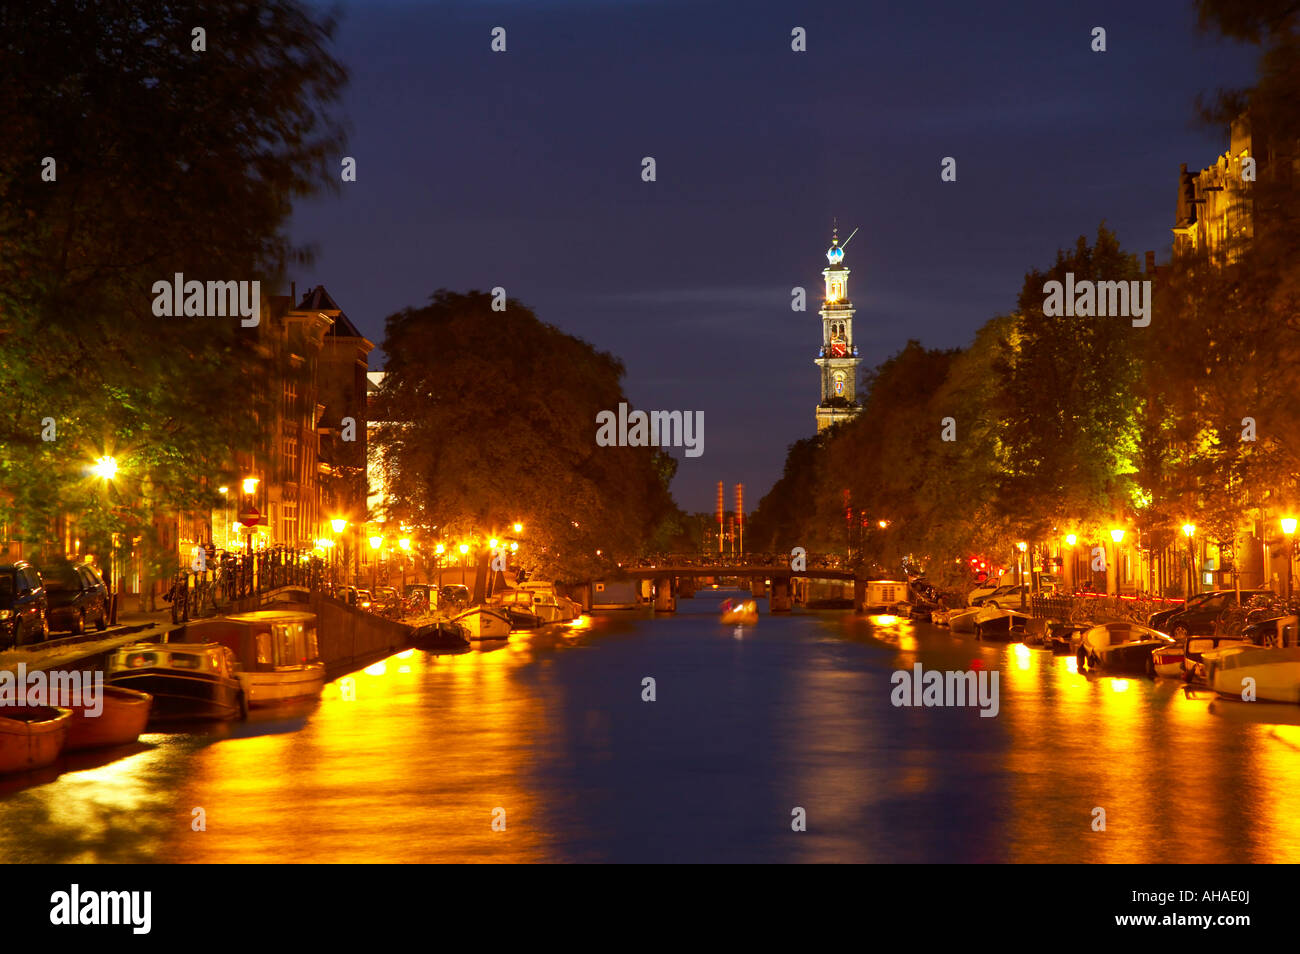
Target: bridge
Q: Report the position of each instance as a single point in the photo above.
(676, 574)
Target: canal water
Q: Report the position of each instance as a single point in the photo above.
(544, 749)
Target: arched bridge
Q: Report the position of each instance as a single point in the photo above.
(677, 573)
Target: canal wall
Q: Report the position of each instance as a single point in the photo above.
(350, 638)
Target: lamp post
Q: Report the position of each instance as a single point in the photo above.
(1288, 528)
(1117, 535)
(376, 543)
(1020, 571)
(405, 544)
(338, 525)
(1189, 530)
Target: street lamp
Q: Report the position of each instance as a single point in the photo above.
(519, 528)
(105, 468)
(1189, 530)
(1288, 528)
(1020, 570)
(1117, 535)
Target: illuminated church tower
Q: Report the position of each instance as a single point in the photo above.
(838, 358)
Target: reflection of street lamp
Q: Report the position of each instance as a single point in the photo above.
(1288, 528)
(1189, 530)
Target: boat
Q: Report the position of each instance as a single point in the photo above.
(441, 635)
(32, 737)
(276, 652)
(740, 612)
(887, 596)
(123, 716)
(993, 622)
(1274, 669)
(518, 605)
(188, 681)
(484, 622)
(1194, 647)
(939, 617)
(963, 620)
(1167, 661)
(547, 604)
(1120, 647)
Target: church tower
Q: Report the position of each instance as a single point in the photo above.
(838, 358)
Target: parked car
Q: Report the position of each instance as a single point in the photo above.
(24, 607)
(1197, 617)
(76, 595)
(364, 599)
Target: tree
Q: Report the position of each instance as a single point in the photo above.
(493, 419)
(167, 160)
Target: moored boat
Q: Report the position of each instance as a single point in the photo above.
(32, 737)
(963, 620)
(887, 596)
(277, 653)
(939, 617)
(1167, 660)
(1120, 647)
(1274, 672)
(441, 635)
(992, 622)
(188, 681)
(483, 622)
(123, 716)
(1194, 647)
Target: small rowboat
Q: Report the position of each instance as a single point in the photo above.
(123, 717)
(32, 737)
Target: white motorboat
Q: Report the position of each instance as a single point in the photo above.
(546, 604)
(483, 622)
(1275, 671)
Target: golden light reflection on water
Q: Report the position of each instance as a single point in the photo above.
(410, 763)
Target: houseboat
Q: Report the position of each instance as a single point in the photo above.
(188, 681)
(277, 653)
(887, 596)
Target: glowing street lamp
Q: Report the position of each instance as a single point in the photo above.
(493, 543)
(1117, 535)
(519, 528)
(250, 485)
(464, 548)
(339, 524)
(1189, 530)
(1071, 539)
(105, 468)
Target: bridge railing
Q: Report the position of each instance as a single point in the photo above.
(812, 561)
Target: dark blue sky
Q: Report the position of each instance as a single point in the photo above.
(522, 169)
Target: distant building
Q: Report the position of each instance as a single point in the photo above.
(1214, 210)
(838, 358)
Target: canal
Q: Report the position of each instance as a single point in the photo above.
(549, 738)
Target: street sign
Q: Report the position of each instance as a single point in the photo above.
(251, 517)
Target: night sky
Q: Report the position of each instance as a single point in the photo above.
(523, 169)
